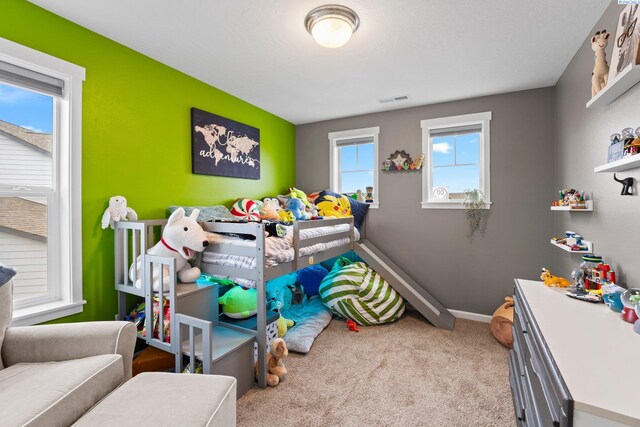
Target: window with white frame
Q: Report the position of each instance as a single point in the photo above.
(40, 177)
(456, 160)
(354, 163)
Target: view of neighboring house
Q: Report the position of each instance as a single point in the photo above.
(25, 160)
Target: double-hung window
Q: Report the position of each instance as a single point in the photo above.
(40, 176)
(456, 160)
(354, 163)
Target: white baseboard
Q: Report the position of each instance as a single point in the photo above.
(471, 316)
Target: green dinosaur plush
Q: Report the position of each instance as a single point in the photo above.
(239, 303)
(294, 193)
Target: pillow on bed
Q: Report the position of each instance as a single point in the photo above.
(334, 202)
(207, 213)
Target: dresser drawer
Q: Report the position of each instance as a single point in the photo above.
(546, 398)
(515, 382)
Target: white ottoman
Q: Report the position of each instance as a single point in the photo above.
(163, 399)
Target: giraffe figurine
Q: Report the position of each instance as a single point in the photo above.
(600, 74)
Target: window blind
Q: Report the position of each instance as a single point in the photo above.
(458, 130)
(29, 79)
(354, 141)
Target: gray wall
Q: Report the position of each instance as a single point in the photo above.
(582, 139)
(431, 244)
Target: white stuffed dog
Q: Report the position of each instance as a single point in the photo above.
(181, 239)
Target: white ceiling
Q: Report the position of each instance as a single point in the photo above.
(431, 50)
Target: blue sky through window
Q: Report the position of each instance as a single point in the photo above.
(456, 161)
(30, 110)
(356, 167)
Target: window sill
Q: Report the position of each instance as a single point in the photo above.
(44, 312)
(375, 205)
(449, 205)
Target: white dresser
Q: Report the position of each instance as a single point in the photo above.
(573, 363)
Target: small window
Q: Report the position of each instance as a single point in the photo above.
(457, 159)
(40, 123)
(354, 160)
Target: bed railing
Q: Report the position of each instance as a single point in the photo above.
(301, 261)
(192, 324)
(160, 268)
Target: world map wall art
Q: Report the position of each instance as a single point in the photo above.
(224, 147)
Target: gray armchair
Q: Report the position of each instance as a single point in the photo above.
(52, 374)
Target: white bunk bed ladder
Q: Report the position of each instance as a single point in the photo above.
(160, 268)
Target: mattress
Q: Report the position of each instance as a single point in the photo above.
(278, 250)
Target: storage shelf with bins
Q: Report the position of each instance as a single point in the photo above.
(568, 249)
(626, 163)
(588, 208)
(616, 87)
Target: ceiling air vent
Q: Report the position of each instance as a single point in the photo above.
(394, 99)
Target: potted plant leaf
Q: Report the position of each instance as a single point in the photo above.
(477, 212)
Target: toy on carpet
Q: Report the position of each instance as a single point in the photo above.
(502, 323)
(600, 74)
(276, 370)
(551, 280)
(283, 325)
(239, 302)
(355, 291)
(294, 193)
(117, 211)
(246, 209)
(296, 207)
(181, 238)
(352, 326)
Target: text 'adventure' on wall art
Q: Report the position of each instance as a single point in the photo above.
(224, 147)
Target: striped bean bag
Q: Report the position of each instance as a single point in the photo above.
(357, 292)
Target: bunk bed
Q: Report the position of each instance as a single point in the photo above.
(197, 331)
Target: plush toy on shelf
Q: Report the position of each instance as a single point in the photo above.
(239, 303)
(601, 69)
(551, 280)
(276, 370)
(117, 211)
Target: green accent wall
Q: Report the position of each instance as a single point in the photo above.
(136, 138)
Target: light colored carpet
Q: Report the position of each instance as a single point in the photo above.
(404, 374)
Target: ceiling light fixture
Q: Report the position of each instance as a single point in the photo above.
(332, 25)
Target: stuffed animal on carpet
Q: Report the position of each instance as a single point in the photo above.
(181, 238)
(296, 207)
(299, 194)
(246, 209)
(551, 280)
(283, 325)
(276, 370)
(239, 302)
(117, 211)
(502, 323)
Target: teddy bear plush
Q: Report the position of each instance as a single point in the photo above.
(117, 211)
(275, 362)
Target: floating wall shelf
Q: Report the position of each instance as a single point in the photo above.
(626, 163)
(589, 207)
(568, 249)
(612, 91)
